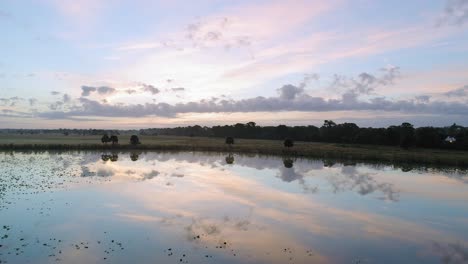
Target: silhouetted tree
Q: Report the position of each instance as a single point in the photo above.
(288, 143)
(105, 139)
(230, 141)
(406, 135)
(114, 139)
(134, 140)
(428, 137)
(282, 131)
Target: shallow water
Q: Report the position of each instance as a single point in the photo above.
(215, 208)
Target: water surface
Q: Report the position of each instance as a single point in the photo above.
(221, 208)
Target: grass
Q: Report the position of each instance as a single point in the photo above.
(434, 157)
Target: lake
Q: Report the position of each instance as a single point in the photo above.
(226, 208)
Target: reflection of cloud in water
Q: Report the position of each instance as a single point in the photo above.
(100, 172)
(459, 176)
(150, 175)
(290, 175)
(453, 253)
(364, 183)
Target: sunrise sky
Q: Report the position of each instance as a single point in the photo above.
(138, 64)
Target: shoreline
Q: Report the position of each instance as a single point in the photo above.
(344, 152)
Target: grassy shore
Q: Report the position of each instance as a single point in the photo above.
(270, 147)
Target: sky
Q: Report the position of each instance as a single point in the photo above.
(138, 64)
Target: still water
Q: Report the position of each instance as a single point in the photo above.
(220, 208)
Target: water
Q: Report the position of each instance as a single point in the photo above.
(199, 208)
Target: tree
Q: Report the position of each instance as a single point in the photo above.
(105, 139)
(230, 141)
(329, 123)
(114, 139)
(134, 140)
(282, 131)
(428, 137)
(288, 143)
(406, 135)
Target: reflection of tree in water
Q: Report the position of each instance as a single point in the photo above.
(134, 156)
(288, 162)
(105, 157)
(112, 157)
(452, 253)
(328, 163)
(230, 159)
(364, 183)
(406, 167)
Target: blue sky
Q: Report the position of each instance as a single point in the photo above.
(169, 63)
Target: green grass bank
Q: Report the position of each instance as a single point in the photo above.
(269, 147)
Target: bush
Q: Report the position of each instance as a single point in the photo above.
(134, 140)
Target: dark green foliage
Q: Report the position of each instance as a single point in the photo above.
(288, 163)
(288, 143)
(404, 135)
(407, 138)
(134, 156)
(229, 141)
(114, 157)
(428, 137)
(229, 159)
(114, 139)
(134, 140)
(105, 139)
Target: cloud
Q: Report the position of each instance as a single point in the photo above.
(363, 183)
(12, 101)
(150, 175)
(54, 93)
(87, 90)
(288, 100)
(105, 90)
(102, 90)
(451, 253)
(66, 98)
(131, 91)
(13, 113)
(289, 92)
(32, 101)
(55, 106)
(149, 88)
(460, 92)
(455, 13)
(178, 89)
(353, 94)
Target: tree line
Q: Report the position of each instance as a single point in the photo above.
(404, 135)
